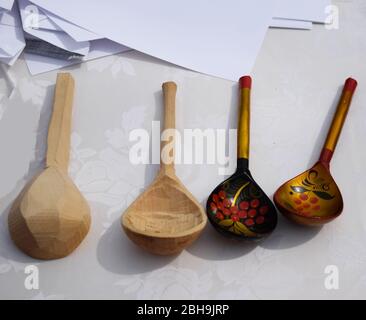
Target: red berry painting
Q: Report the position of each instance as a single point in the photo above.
(239, 207)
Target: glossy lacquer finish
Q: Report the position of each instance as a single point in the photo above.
(238, 207)
(313, 198)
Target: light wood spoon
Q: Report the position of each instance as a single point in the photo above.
(166, 218)
(50, 217)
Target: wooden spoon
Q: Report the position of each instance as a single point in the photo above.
(166, 218)
(238, 207)
(313, 198)
(50, 217)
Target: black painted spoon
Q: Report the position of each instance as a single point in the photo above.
(238, 207)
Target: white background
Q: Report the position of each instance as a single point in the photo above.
(296, 84)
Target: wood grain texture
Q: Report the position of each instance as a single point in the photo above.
(166, 218)
(50, 217)
(58, 142)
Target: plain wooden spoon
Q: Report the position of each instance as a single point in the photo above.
(166, 218)
(50, 217)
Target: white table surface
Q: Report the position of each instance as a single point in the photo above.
(297, 80)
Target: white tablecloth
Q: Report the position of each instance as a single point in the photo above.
(296, 84)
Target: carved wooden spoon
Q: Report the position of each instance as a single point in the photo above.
(166, 218)
(50, 217)
(313, 198)
(238, 207)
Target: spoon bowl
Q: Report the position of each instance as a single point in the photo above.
(239, 208)
(49, 223)
(166, 218)
(313, 198)
(171, 223)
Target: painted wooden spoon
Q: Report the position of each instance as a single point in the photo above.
(50, 217)
(238, 207)
(313, 198)
(166, 218)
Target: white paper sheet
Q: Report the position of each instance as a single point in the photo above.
(76, 32)
(6, 4)
(99, 48)
(307, 10)
(10, 17)
(11, 40)
(220, 38)
(11, 60)
(47, 24)
(62, 35)
(11, 37)
(49, 21)
(42, 20)
(291, 24)
(59, 39)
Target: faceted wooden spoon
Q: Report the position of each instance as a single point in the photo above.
(238, 207)
(50, 217)
(313, 198)
(166, 218)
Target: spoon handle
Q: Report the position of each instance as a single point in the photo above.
(168, 135)
(338, 121)
(58, 142)
(245, 84)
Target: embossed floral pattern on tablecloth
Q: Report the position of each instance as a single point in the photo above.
(116, 94)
